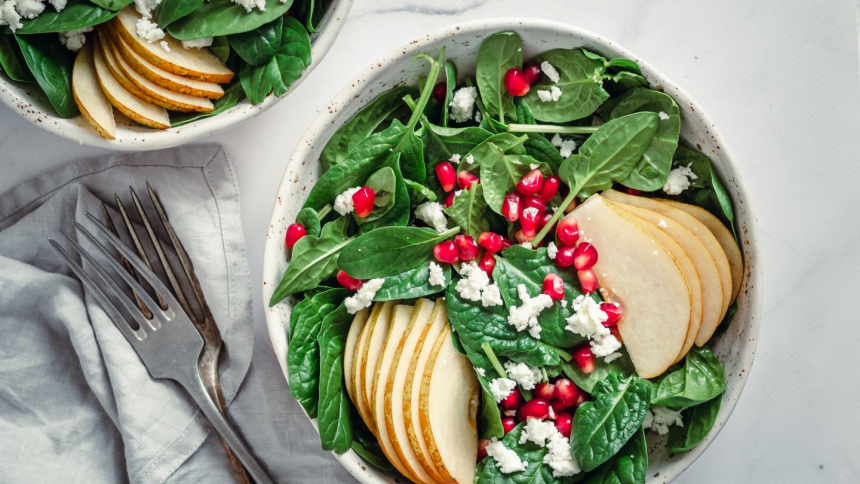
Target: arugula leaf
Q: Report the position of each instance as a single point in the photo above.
(498, 53)
(12, 61)
(629, 466)
(501, 172)
(51, 66)
(169, 11)
(78, 14)
(706, 191)
(412, 283)
(277, 75)
(226, 102)
(388, 251)
(225, 17)
(334, 416)
(469, 211)
(581, 83)
(586, 381)
(698, 422)
(310, 220)
(258, 46)
(303, 353)
(602, 426)
(699, 378)
(450, 85)
(314, 260)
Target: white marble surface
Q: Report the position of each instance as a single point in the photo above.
(780, 80)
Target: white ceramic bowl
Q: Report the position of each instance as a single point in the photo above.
(736, 348)
(32, 104)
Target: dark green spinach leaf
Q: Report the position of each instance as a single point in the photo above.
(366, 445)
(501, 172)
(225, 17)
(586, 381)
(697, 379)
(706, 191)
(169, 11)
(498, 53)
(397, 213)
(51, 65)
(78, 14)
(469, 211)
(698, 422)
(335, 409)
(277, 75)
(536, 472)
(258, 46)
(115, 5)
(388, 251)
(412, 284)
(226, 102)
(310, 220)
(12, 61)
(581, 84)
(629, 466)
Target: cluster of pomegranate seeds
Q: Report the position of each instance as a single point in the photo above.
(440, 92)
(348, 281)
(467, 248)
(465, 180)
(613, 313)
(446, 252)
(553, 286)
(584, 358)
(560, 395)
(516, 82)
(294, 233)
(363, 201)
(582, 256)
(446, 175)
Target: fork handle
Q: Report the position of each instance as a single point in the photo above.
(198, 392)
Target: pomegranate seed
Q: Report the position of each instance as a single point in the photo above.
(348, 281)
(587, 279)
(511, 206)
(490, 241)
(531, 201)
(467, 248)
(516, 82)
(531, 183)
(449, 200)
(545, 391)
(564, 423)
(466, 179)
(553, 286)
(446, 175)
(528, 220)
(482, 449)
(294, 233)
(534, 408)
(513, 400)
(446, 252)
(549, 188)
(567, 231)
(629, 191)
(615, 332)
(506, 242)
(558, 407)
(613, 313)
(584, 358)
(543, 220)
(440, 92)
(521, 238)
(585, 256)
(363, 201)
(564, 257)
(565, 391)
(487, 262)
(532, 71)
(583, 397)
(508, 423)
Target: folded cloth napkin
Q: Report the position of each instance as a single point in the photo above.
(76, 403)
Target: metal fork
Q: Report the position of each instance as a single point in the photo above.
(168, 343)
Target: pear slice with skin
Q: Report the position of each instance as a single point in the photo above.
(358, 323)
(688, 268)
(698, 229)
(378, 333)
(395, 391)
(89, 97)
(640, 275)
(103, 45)
(138, 110)
(359, 360)
(448, 411)
(724, 237)
(197, 64)
(412, 385)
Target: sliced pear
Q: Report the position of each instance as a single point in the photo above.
(724, 237)
(411, 405)
(104, 46)
(395, 392)
(359, 359)
(688, 269)
(89, 97)
(138, 110)
(639, 274)
(197, 64)
(376, 337)
(358, 323)
(448, 411)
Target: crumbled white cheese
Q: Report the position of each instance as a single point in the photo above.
(587, 319)
(363, 298)
(74, 39)
(146, 7)
(556, 140)
(491, 296)
(553, 95)
(437, 277)
(474, 281)
(526, 315)
(164, 45)
(501, 388)
(463, 103)
(526, 376)
(470, 159)
(343, 202)
(9, 16)
(559, 457)
(662, 115)
(550, 71)
(478, 116)
(551, 250)
(455, 159)
(148, 30)
(432, 213)
(58, 5)
(480, 371)
(538, 431)
(198, 43)
(534, 166)
(658, 418)
(563, 303)
(566, 148)
(251, 4)
(605, 346)
(662, 224)
(506, 460)
(29, 9)
(612, 357)
(679, 180)
(527, 245)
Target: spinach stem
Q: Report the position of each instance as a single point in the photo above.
(564, 354)
(557, 215)
(547, 128)
(324, 211)
(409, 102)
(435, 67)
(544, 375)
(495, 361)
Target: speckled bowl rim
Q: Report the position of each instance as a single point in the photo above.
(335, 115)
(139, 138)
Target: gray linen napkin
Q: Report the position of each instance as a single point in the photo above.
(76, 403)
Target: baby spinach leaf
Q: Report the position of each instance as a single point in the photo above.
(115, 5)
(698, 422)
(629, 466)
(303, 353)
(226, 102)
(314, 260)
(586, 381)
(412, 283)
(602, 426)
(469, 211)
(536, 472)
(363, 124)
(258, 46)
(581, 84)
(296, 313)
(621, 64)
(277, 75)
(169, 11)
(524, 112)
(624, 80)
(225, 17)
(388, 251)
(51, 65)
(498, 53)
(440, 144)
(727, 320)
(541, 149)
(310, 220)
(699, 378)
(12, 61)
(418, 193)
(706, 191)
(220, 47)
(78, 14)
(652, 170)
(398, 211)
(384, 186)
(366, 445)
(450, 85)
(500, 174)
(335, 409)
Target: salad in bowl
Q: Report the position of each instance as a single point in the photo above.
(514, 275)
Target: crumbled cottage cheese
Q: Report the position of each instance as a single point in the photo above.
(455, 159)
(553, 95)
(146, 7)
(480, 371)
(9, 16)
(343, 202)
(551, 250)
(251, 4)
(544, 434)
(164, 45)
(470, 159)
(534, 166)
(556, 140)
(501, 388)
(74, 39)
(537, 431)
(58, 5)
(463, 103)
(491, 296)
(198, 43)
(662, 115)
(526, 315)
(475, 286)
(478, 116)
(527, 245)
(437, 277)
(363, 298)
(587, 320)
(679, 180)
(550, 71)
(526, 376)
(29, 9)
(566, 148)
(506, 460)
(148, 30)
(658, 418)
(606, 347)
(433, 214)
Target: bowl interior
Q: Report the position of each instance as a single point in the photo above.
(28, 101)
(735, 348)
